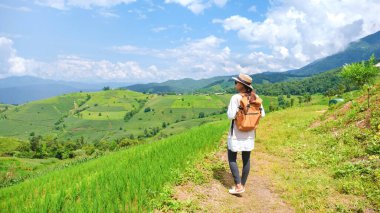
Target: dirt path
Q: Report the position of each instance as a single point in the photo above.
(213, 196)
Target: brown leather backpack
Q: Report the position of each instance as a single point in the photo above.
(249, 113)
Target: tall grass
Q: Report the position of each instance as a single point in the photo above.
(123, 181)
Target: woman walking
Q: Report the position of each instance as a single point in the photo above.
(242, 141)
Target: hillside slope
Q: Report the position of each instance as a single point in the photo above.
(306, 159)
(127, 180)
(354, 52)
(109, 115)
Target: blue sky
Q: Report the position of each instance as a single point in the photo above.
(153, 41)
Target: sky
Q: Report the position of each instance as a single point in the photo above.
(142, 41)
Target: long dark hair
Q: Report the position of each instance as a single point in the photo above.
(250, 92)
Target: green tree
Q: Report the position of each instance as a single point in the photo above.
(281, 101)
(35, 143)
(307, 97)
(300, 98)
(361, 74)
(330, 93)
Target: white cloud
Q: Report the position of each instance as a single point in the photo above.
(10, 63)
(20, 9)
(73, 67)
(184, 28)
(86, 4)
(253, 9)
(159, 29)
(298, 32)
(198, 6)
(201, 58)
(108, 14)
(56, 4)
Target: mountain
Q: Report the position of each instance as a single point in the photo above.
(18, 90)
(23, 94)
(182, 85)
(356, 51)
(191, 85)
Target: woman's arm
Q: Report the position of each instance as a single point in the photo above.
(232, 107)
(262, 108)
(262, 111)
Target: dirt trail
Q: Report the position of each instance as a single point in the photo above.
(259, 195)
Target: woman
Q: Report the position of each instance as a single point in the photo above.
(239, 140)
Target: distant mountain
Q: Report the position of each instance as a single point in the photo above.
(182, 85)
(356, 51)
(23, 94)
(191, 85)
(18, 90)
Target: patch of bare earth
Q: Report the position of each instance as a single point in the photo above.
(213, 196)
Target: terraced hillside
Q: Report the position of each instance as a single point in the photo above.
(128, 180)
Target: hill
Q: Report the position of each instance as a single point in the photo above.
(313, 158)
(354, 52)
(106, 115)
(39, 136)
(309, 158)
(127, 180)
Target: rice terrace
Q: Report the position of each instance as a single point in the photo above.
(189, 106)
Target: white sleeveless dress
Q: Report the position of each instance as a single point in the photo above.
(239, 140)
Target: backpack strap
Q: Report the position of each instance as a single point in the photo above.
(243, 100)
(232, 127)
(233, 120)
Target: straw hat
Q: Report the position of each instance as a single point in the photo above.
(244, 79)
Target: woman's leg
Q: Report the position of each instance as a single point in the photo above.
(233, 166)
(246, 166)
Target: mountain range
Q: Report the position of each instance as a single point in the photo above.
(356, 51)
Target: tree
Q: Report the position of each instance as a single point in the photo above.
(330, 93)
(201, 115)
(106, 88)
(340, 90)
(361, 74)
(35, 143)
(281, 101)
(131, 136)
(299, 100)
(307, 97)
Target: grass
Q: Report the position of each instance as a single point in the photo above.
(123, 181)
(8, 144)
(101, 117)
(318, 163)
(324, 167)
(14, 170)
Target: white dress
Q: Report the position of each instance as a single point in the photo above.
(239, 141)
